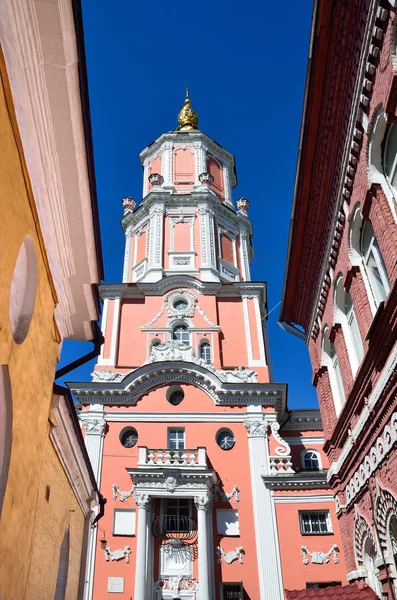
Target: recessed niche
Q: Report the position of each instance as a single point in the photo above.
(23, 291)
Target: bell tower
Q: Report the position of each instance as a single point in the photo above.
(186, 222)
(181, 407)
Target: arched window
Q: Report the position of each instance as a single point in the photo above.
(345, 315)
(311, 460)
(373, 263)
(393, 539)
(181, 334)
(205, 351)
(390, 158)
(330, 359)
(63, 567)
(369, 557)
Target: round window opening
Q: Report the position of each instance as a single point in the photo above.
(175, 395)
(180, 304)
(128, 437)
(225, 439)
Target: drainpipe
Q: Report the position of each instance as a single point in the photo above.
(291, 328)
(97, 340)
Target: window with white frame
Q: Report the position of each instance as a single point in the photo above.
(315, 522)
(345, 315)
(181, 334)
(330, 360)
(205, 351)
(311, 460)
(374, 264)
(390, 157)
(176, 439)
(227, 522)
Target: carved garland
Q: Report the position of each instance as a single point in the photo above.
(375, 456)
(362, 531)
(385, 509)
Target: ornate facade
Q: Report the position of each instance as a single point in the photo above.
(213, 487)
(340, 290)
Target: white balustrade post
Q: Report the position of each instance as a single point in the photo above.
(203, 504)
(142, 501)
(142, 455)
(201, 451)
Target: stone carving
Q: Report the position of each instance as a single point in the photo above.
(175, 585)
(117, 554)
(123, 495)
(142, 500)
(188, 296)
(319, 558)
(375, 456)
(181, 261)
(171, 482)
(128, 204)
(242, 206)
(203, 503)
(362, 531)
(107, 375)
(231, 556)
(284, 448)
(257, 428)
(385, 508)
(93, 425)
(224, 496)
(174, 350)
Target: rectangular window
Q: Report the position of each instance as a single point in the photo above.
(227, 522)
(315, 522)
(124, 521)
(176, 439)
(177, 509)
(232, 591)
(322, 584)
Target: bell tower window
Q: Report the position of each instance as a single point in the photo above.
(205, 352)
(181, 334)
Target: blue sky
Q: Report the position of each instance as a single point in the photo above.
(245, 63)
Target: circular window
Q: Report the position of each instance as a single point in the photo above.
(225, 439)
(128, 437)
(23, 291)
(175, 395)
(180, 304)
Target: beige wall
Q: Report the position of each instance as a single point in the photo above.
(26, 518)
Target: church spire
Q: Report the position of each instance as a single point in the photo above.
(187, 118)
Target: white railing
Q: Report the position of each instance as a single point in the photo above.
(279, 465)
(166, 457)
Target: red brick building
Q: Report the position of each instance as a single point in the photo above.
(340, 292)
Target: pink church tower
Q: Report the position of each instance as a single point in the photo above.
(182, 417)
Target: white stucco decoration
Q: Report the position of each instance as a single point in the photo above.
(173, 350)
(117, 554)
(319, 558)
(231, 556)
(107, 375)
(123, 495)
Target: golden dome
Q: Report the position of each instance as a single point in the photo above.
(187, 117)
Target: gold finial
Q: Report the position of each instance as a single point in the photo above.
(187, 117)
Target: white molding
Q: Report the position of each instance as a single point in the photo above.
(305, 440)
(303, 499)
(187, 417)
(115, 331)
(266, 535)
(101, 360)
(366, 413)
(260, 332)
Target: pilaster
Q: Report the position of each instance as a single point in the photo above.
(269, 568)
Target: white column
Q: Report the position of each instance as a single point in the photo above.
(203, 503)
(95, 432)
(155, 266)
(211, 557)
(142, 501)
(267, 548)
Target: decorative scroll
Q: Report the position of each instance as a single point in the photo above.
(123, 495)
(117, 554)
(231, 556)
(225, 496)
(320, 558)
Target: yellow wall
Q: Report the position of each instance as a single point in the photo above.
(25, 518)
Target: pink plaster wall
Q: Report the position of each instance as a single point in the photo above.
(182, 237)
(132, 350)
(231, 321)
(107, 330)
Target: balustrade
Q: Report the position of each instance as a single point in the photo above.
(280, 465)
(167, 457)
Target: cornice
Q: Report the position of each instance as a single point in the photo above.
(144, 379)
(309, 420)
(297, 481)
(191, 202)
